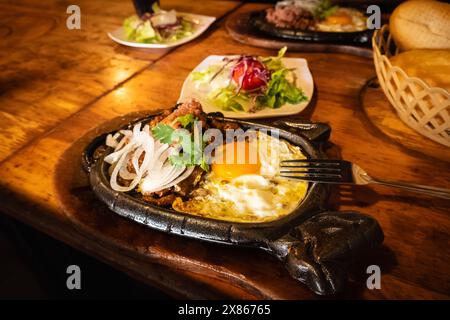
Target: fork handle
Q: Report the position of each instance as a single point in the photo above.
(432, 191)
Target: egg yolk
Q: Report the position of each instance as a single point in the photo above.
(339, 19)
(235, 159)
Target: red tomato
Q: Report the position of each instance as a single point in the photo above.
(256, 74)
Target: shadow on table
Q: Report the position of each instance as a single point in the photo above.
(383, 257)
(365, 196)
(36, 268)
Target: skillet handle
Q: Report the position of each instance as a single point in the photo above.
(318, 252)
(313, 131)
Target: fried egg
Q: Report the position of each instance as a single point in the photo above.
(247, 187)
(343, 20)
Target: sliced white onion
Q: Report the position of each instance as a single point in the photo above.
(124, 173)
(149, 184)
(115, 156)
(154, 172)
(123, 142)
(113, 180)
(182, 177)
(111, 140)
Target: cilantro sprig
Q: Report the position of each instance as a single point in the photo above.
(192, 150)
(163, 133)
(187, 120)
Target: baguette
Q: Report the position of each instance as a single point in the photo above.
(419, 24)
(431, 66)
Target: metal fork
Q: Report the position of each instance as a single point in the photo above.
(344, 172)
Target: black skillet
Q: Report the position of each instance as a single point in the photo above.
(316, 245)
(258, 20)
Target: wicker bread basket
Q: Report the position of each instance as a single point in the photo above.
(423, 108)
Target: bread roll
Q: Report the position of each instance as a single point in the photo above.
(431, 66)
(418, 24)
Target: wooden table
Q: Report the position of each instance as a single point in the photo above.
(58, 85)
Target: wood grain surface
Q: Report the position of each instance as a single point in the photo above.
(42, 184)
(384, 118)
(48, 72)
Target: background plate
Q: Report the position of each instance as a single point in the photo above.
(241, 29)
(259, 21)
(204, 22)
(304, 81)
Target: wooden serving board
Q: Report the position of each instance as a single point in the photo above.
(240, 28)
(384, 118)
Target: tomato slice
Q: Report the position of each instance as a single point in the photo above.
(250, 73)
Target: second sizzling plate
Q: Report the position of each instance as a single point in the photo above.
(258, 20)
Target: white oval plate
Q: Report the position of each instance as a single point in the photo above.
(203, 23)
(304, 81)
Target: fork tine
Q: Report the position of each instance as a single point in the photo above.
(317, 170)
(315, 161)
(311, 179)
(311, 174)
(311, 168)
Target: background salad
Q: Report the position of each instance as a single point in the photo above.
(161, 26)
(249, 83)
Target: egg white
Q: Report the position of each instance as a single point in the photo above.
(250, 197)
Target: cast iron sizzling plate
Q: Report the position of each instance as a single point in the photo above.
(316, 245)
(258, 19)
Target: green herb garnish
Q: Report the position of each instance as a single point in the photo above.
(192, 152)
(324, 10)
(187, 120)
(163, 132)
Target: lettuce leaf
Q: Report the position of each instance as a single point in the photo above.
(205, 75)
(155, 7)
(275, 63)
(187, 29)
(281, 91)
(227, 99)
(130, 25)
(143, 31)
(140, 31)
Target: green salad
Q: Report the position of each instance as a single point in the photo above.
(161, 26)
(249, 83)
